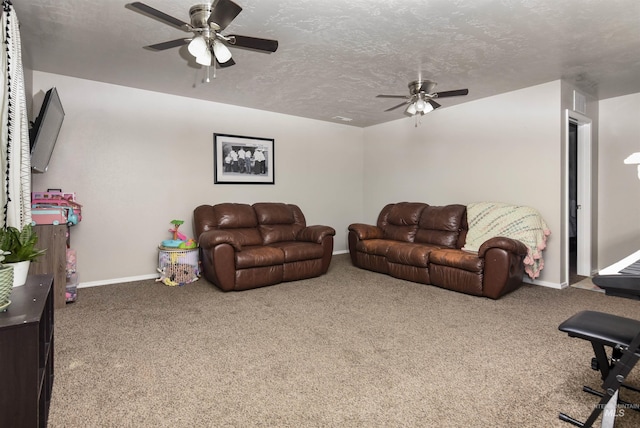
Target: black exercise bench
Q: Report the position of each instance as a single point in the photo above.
(622, 336)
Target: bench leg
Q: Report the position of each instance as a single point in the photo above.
(612, 383)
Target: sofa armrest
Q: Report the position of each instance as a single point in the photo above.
(212, 238)
(366, 231)
(511, 245)
(315, 233)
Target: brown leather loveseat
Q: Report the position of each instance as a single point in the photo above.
(247, 246)
(422, 243)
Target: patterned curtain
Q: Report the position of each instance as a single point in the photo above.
(15, 160)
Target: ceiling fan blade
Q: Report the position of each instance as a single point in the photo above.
(223, 12)
(426, 86)
(167, 45)
(156, 14)
(227, 64)
(455, 93)
(265, 45)
(399, 105)
(434, 104)
(393, 96)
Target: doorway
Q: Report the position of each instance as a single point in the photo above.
(579, 199)
(573, 203)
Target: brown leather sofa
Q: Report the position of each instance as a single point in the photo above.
(422, 243)
(247, 246)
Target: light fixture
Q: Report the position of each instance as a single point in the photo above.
(419, 107)
(198, 46)
(205, 58)
(206, 50)
(222, 53)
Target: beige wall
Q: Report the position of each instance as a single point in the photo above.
(504, 148)
(619, 186)
(139, 159)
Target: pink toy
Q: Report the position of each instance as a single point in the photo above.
(178, 235)
(53, 215)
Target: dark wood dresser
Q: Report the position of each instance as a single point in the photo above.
(26, 354)
(55, 239)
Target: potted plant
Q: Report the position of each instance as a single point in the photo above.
(20, 250)
(6, 282)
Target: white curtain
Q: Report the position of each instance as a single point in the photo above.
(15, 161)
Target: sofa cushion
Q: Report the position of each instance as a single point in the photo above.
(273, 213)
(278, 222)
(458, 259)
(238, 219)
(376, 247)
(278, 233)
(299, 250)
(405, 213)
(251, 257)
(234, 216)
(408, 253)
(400, 222)
(440, 225)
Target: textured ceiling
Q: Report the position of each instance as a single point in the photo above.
(335, 56)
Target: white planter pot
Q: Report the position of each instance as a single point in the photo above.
(20, 272)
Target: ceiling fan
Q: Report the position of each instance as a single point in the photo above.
(422, 97)
(208, 45)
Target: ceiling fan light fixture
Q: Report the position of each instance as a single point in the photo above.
(428, 107)
(205, 59)
(198, 46)
(207, 45)
(420, 105)
(222, 53)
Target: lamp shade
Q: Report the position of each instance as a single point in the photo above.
(205, 59)
(222, 53)
(411, 109)
(420, 105)
(198, 46)
(428, 107)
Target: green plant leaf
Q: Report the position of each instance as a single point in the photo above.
(20, 243)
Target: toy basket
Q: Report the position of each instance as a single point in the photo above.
(178, 266)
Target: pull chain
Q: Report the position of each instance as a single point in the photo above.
(207, 78)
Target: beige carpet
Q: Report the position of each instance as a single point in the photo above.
(349, 349)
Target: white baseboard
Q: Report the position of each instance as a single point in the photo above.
(156, 276)
(544, 283)
(118, 280)
(143, 277)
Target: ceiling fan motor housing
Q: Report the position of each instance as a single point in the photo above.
(425, 86)
(199, 15)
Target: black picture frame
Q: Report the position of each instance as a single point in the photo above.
(230, 163)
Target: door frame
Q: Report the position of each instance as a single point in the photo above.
(584, 194)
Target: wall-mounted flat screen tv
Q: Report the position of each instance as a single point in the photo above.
(44, 133)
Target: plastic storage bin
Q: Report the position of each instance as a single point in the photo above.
(71, 294)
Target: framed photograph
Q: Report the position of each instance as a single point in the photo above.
(242, 160)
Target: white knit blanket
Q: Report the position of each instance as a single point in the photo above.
(490, 219)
